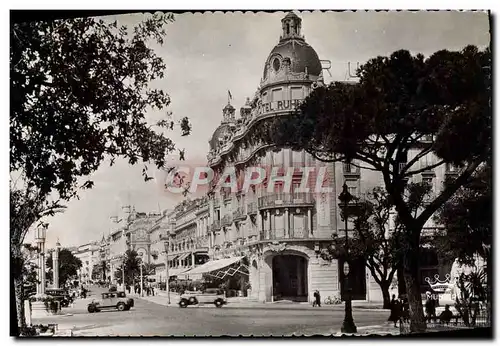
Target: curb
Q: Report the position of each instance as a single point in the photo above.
(270, 306)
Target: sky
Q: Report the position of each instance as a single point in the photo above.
(208, 54)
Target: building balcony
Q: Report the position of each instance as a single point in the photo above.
(215, 225)
(278, 234)
(227, 220)
(238, 214)
(278, 200)
(252, 208)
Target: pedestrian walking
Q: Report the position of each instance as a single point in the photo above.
(395, 310)
(152, 291)
(430, 307)
(317, 299)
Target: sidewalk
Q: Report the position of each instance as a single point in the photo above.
(238, 302)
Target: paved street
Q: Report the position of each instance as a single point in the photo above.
(150, 319)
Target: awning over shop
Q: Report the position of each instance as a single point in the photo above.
(172, 257)
(183, 257)
(176, 271)
(214, 265)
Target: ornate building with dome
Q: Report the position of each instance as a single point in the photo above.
(279, 234)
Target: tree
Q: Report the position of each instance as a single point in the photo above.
(403, 110)
(376, 238)
(468, 220)
(68, 265)
(132, 267)
(99, 270)
(80, 93)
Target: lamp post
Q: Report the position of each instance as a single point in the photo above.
(123, 272)
(41, 234)
(55, 264)
(142, 279)
(348, 325)
(167, 286)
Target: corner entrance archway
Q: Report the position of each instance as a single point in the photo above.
(289, 278)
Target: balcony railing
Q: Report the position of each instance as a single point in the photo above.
(201, 242)
(238, 214)
(227, 220)
(252, 208)
(281, 233)
(285, 199)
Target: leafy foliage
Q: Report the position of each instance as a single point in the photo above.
(131, 263)
(471, 288)
(69, 265)
(99, 271)
(377, 235)
(467, 218)
(80, 93)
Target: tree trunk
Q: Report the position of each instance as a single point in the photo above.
(384, 287)
(16, 292)
(401, 279)
(410, 272)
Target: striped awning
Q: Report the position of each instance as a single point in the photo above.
(214, 265)
(172, 257)
(184, 256)
(176, 271)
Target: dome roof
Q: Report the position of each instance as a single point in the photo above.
(218, 133)
(301, 56)
(293, 48)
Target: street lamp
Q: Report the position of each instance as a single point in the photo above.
(123, 272)
(167, 286)
(40, 236)
(142, 278)
(348, 325)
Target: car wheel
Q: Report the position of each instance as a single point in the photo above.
(218, 303)
(91, 308)
(120, 306)
(183, 303)
(127, 308)
(193, 301)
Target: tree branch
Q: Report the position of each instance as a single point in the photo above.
(425, 169)
(417, 157)
(448, 191)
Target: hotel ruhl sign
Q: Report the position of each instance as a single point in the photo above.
(274, 106)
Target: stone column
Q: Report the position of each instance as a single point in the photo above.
(42, 267)
(287, 224)
(269, 227)
(55, 266)
(309, 222)
(192, 260)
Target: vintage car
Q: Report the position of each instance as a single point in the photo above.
(111, 300)
(60, 295)
(209, 296)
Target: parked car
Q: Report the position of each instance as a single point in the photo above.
(60, 295)
(209, 296)
(111, 300)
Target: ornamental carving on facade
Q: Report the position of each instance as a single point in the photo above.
(277, 247)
